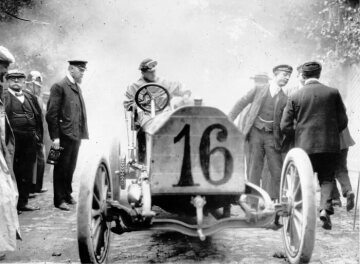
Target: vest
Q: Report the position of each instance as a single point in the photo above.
(22, 116)
(265, 118)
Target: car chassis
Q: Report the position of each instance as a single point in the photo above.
(118, 196)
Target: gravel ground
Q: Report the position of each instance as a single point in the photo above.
(50, 232)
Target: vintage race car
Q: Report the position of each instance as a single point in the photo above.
(184, 170)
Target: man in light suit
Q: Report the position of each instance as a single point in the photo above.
(262, 127)
(319, 114)
(9, 215)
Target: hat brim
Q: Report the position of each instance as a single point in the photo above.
(15, 76)
(80, 67)
(149, 70)
(260, 78)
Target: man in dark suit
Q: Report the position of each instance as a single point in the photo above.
(66, 118)
(262, 126)
(34, 86)
(25, 118)
(319, 114)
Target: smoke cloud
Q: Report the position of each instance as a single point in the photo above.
(211, 47)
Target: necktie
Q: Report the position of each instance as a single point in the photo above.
(18, 94)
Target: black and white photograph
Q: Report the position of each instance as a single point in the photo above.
(180, 131)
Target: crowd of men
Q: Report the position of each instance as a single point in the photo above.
(311, 116)
(23, 117)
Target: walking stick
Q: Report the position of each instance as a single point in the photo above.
(356, 202)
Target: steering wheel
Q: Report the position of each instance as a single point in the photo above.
(150, 91)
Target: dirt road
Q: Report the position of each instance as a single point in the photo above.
(49, 236)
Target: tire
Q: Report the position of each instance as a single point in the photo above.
(92, 228)
(298, 186)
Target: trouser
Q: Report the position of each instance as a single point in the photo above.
(342, 175)
(40, 166)
(325, 165)
(261, 145)
(64, 170)
(24, 162)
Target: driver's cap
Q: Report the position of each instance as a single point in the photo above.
(147, 65)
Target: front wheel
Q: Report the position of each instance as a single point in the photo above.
(93, 227)
(298, 189)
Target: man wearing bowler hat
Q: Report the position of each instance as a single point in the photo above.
(67, 123)
(34, 86)
(262, 127)
(319, 115)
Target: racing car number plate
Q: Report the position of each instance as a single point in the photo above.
(194, 155)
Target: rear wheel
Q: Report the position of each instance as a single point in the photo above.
(298, 188)
(93, 227)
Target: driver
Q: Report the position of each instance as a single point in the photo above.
(148, 75)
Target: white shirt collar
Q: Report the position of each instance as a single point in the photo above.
(311, 80)
(71, 79)
(274, 89)
(21, 98)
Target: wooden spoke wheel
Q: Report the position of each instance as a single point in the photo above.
(298, 189)
(93, 227)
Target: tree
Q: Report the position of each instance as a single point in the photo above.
(330, 28)
(10, 8)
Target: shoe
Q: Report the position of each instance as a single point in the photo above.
(41, 190)
(350, 196)
(325, 218)
(71, 201)
(32, 195)
(275, 225)
(336, 202)
(28, 208)
(2, 256)
(63, 206)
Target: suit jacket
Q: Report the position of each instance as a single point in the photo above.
(346, 140)
(320, 116)
(34, 106)
(66, 112)
(256, 98)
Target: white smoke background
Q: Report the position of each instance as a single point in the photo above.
(211, 47)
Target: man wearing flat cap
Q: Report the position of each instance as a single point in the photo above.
(319, 115)
(148, 75)
(262, 128)
(25, 117)
(67, 123)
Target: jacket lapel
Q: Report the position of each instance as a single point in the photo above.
(72, 85)
(279, 102)
(262, 97)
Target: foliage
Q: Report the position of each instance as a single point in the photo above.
(13, 7)
(331, 28)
